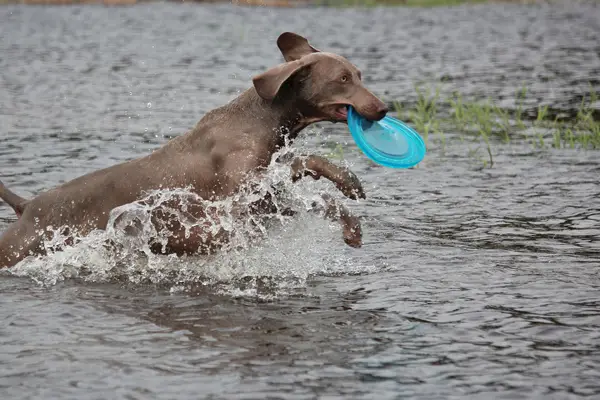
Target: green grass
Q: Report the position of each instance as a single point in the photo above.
(487, 120)
(487, 123)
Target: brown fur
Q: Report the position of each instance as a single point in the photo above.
(227, 147)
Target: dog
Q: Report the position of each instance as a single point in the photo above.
(227, 148)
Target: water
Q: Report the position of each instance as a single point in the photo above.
(472, 282)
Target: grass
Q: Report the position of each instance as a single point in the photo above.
(486, 124)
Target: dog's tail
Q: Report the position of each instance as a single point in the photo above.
(16, 202)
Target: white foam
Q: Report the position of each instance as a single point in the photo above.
(269, 257)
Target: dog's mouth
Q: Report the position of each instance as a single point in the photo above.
(340, 112)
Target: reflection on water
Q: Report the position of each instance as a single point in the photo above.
(471, 283)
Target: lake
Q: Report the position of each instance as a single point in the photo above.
(473, 282)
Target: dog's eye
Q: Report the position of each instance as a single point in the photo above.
(345, 78)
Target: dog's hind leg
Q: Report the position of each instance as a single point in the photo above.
(17, 242)
(16, 202)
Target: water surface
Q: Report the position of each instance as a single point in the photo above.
(473, 282)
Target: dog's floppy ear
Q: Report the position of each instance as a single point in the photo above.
(293, 46)
(269, 83)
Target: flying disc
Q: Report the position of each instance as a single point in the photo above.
(388, 142)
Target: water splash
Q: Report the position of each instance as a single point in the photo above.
(263, 256)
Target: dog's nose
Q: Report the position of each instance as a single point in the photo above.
(381, 111)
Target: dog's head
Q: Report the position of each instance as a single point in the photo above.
(322, 84)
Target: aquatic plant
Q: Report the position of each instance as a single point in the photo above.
(485, 120)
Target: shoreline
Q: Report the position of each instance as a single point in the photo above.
(285, 3)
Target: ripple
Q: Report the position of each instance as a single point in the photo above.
(471, 283)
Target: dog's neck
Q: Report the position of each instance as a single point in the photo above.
(284, 118)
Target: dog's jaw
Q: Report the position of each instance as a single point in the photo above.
(341, 113)
(336, 112)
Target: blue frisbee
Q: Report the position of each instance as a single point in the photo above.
(388, 142)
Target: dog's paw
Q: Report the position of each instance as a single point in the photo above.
(350, 186)
(352, 232)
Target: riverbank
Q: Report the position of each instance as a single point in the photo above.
(286, 3)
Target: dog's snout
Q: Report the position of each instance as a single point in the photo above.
(374, 110)
(382, 110)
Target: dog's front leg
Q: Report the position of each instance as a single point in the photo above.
(316, 167)
(350, 223)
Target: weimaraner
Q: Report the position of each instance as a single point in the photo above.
(228, 147)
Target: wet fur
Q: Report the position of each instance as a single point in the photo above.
(229, 146)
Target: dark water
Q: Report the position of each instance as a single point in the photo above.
(472, 283)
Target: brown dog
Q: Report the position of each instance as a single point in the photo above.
(227, 148)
